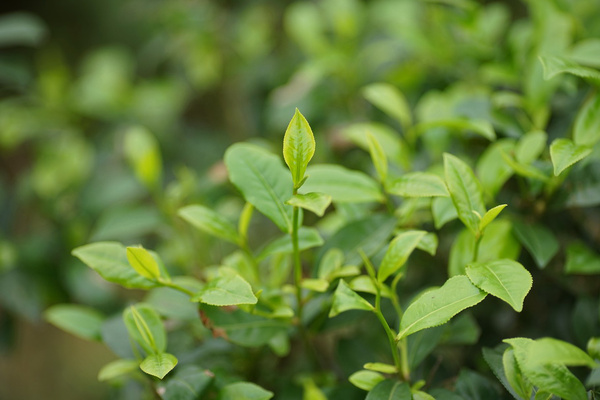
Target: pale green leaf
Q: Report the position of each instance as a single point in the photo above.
(506, 279)
(343, 185)
(429, 243)
(316, 285)
(378, 157)
(398, 252)
(315, 202)
(479, 126)
(345, 299)
(553, 351)
(490, 215)
(582, 260)
(586, 131)
(142, 152)
(263, 180)
(307, 238)
(298, 147)
(565, 153)
(145, 327)
(465, 191)
(21, 29)
(390, 390)
(551, 378)
(555, 65)
(396, 149)
(109, 259)
(530, 146)
(514, 376)
(117, 368)
(437, 306)
(159, 364)
(389, 100)
(228, 289)
(210, 222)
(365, 284)
(526, 170)
(491, 168)
(311, 390)
(443, 211)
(330, 262)
(143, 262)
(418, 184)
(244, 391)
(189, 382)
(78, 320)
(381, 367)
(538, 240)
(366, 380)
(586, 52)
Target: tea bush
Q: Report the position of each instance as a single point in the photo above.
(434, 238)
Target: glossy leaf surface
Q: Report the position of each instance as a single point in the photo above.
(159, 364)
(345, 299)
(226, 290)
(315, 202)
(143, 262)
(298, 147)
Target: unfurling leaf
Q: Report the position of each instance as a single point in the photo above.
(298, 147)
(159, 364)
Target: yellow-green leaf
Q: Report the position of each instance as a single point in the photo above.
(565, 153)
(143, 262)
(298, 147)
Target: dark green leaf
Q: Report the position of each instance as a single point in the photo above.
(390, 390)
(21, 29)
(189, 383)
(263, 180)
(538, 240)
(582, 260)
(494, 358)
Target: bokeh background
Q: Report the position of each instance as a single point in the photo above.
(79, 78)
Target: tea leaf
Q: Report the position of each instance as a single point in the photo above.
(396, 149)
(307, 238)
(418, 184)
(343, 185)
(514, 375)
(228, 289)
(188, 383)
(586, 131)
(565, 153)
(378, 157)
(443, 211)
(263, 180)
(390, 390)
(331, 262)
(381, 367)
(364, 284)
(159, 364)
(210, 222)
(315, 202)
(117, 368)
(298, 147)
(550, 351)
(551, 378)
(398, 252)
(526, 170)
(244, 391)
(582, 260)
(143, 262)
(554, 65)
(506, 279)
(316, 285)
(345, 299)
(109, 259)
(538, 240)
(141, 149)
(311, 390)
(145, 327)
(366, 380)
(490, 216)
(389, 100)
(492, 169)
(530, 146)
(80, 321)
(429, 243)
(437, 306)
(465, 191)
(586, 52)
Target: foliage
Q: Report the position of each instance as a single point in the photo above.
(444, 203)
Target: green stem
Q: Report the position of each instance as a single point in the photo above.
(297, 262)
(403, 343)
(391, 335)
(478, 238)
(175, 286)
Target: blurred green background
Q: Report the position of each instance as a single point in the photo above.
(79, 78)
